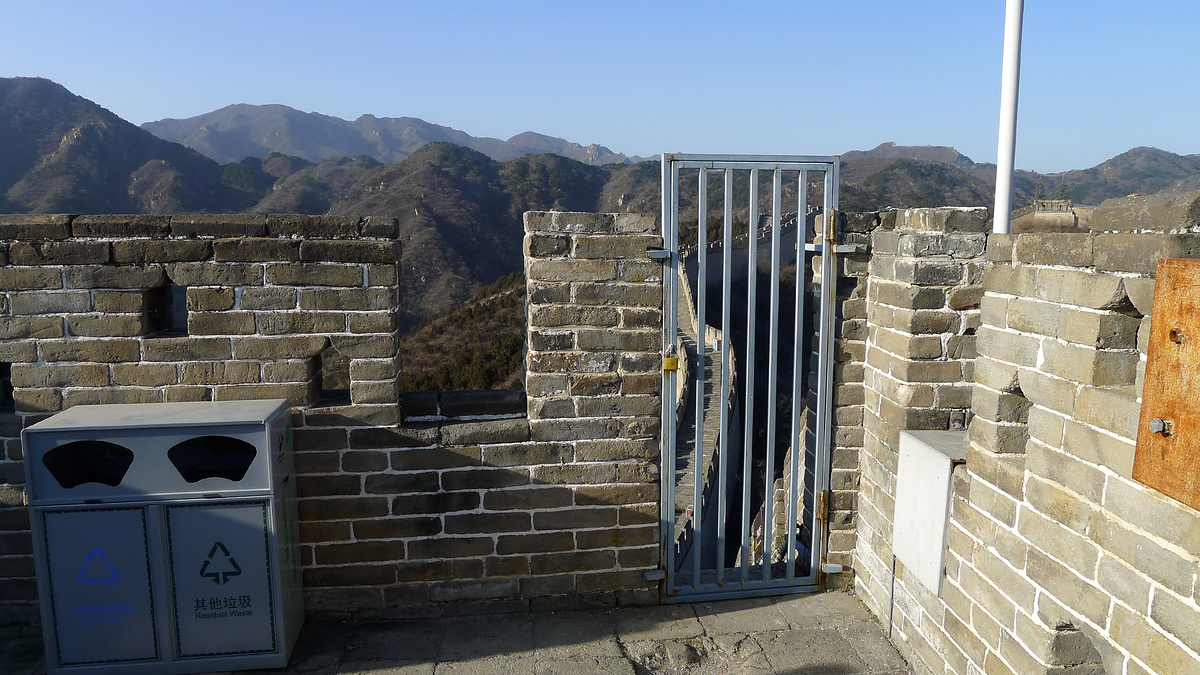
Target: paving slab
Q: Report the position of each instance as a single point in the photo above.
(480, 637)
(574, 635)
(662, 622)
(820, 634)
(749, 615)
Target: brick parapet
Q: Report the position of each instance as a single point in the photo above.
(1056, 558)
(440, 513)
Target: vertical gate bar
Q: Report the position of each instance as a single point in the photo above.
(670, 231)
(825, 373)
(748, 425)
(722, 458)
(701, 347)
(772, 374)
(798, 344)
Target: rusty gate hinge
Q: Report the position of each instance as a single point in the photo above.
(831, 227)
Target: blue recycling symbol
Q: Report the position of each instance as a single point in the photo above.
(220, 568)
(97, 570)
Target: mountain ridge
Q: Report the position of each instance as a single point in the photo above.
(242, 130)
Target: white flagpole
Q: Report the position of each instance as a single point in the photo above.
(1010, 82)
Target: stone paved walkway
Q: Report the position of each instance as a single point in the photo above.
(820, 634)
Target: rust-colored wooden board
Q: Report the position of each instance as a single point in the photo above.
(1168, 440)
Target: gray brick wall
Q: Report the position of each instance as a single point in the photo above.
(1057, 560)
(556, 508)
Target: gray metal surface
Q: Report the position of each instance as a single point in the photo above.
(721, 543)
(165, 547)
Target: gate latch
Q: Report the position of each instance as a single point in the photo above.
(658, 254)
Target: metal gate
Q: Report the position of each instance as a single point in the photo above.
(744, 503)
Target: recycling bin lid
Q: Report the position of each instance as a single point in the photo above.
(158, 415)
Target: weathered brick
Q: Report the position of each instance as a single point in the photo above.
(220, 372)
(111, 395)
(145, 374)
(570, 519)
(359, 551)
(450, 547)
(618, 340)
(292, 225)
(221, 323)
(185, 349)
(290, 347)
(487, 523)
(267, 298)
(315, 274)
(254, 249)
(209, 299)
(436, 503)
(35, 227)
(346, 299)
(385, 227)
(37, 400)
(542, 246)
(365, 346)
(298, 394)
(96, 350)
(124, 276)
(397, 528)
(573, 561)
(614, 247)
(282, 323)
(395, 484)
(562, 271)
(143, 252)
(144, 225)
(629, 295)
(1105, 330)
(59, 253)
(216, 274)
(218, 225)
(29, 279)
(360, 251)
(483, 478)
(79, 375)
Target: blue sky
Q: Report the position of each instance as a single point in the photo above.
(1098, 77)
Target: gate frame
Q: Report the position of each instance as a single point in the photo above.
(825, 243)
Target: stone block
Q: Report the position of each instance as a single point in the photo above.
(1100, 367)
(1144, 554)
(1032, 316)
(625, 294)
(221, 323)
(220, 372)
(284, 323)
(125, 276)
(314, 274)
(907, 296)
(208, 299)
(383, 275)
(103, 225)
(267, 298)
(314, 227)
(344, 299)
(111, 396)
(998, 437)
(618, 340)
(640, 271)
(107, 325)
(1106, 330)
(383, 227)
(254, 249)
(547, 246)
(492, 431)
(186, 349)
(35, 227)
(360, 251)
(1057, 248)
(218, 225)
(552, 316)
(90, 350)
(298, 394)
(145, 374)
(30, 279)
(290, 347)
(148, 252)
(944, 220)
(372, 322)
(1080, 288)
(1062, 468)
(365, 346)
(23, 304)
(608, 247)
(59, 253)
(929, 271)
(216, 274)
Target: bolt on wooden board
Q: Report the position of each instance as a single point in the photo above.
(1168, 440)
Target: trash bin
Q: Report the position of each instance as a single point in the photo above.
(165, 536)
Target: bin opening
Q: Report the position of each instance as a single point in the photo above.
(79, 462)
(212, 457)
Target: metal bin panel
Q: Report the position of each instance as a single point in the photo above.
(100, 586)
(219, 555)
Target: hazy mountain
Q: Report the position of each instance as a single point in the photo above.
(63, 153)
(241, 130)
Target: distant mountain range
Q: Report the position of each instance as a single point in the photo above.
(239, 131)
(459, 199)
